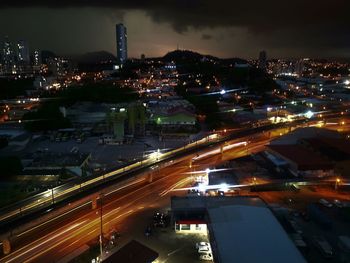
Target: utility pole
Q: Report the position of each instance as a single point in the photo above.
(101, 226)
(53, 196)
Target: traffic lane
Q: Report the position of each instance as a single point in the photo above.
(241, 132)
(162, 171)
(152, 192)
(145, 198)
(50, 225)
(107, 208)
(205, 162)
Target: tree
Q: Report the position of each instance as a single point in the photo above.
(10, 166)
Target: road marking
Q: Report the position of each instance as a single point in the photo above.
(175, 251)
(52, 219)
(45, 241)
(170, 189)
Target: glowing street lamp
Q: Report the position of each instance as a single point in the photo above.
(337, 182)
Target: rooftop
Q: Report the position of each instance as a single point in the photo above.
(302, 133)
(244, 233)
(52, 160)
(134, 252)
(335, 149)
(203, 202)
(305, 158)
(242, 229)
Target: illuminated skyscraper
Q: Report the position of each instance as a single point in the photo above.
(8, 58)
(23, 52)
(36, 61)
(122, 48)
(36, 58)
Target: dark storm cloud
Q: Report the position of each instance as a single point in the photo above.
(206, 36)
(182, 14)
(307, 24)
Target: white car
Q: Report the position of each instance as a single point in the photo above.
(207, 257)
(325, 203)
(204, 250)
(202, 244)
(338, 203)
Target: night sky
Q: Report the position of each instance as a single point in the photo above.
(224, 28)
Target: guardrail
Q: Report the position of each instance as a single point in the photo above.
(64, 191)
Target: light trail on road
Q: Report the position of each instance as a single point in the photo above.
(120, 204)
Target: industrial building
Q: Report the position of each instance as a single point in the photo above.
(240, 229)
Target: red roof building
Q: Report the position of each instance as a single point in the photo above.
(302, 160)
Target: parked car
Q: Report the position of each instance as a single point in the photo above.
(325, 203)
(202, 244)
(296, 227)
(206, 257)
(323, 246)
(337, 203)
(204, 250)
(160, 220)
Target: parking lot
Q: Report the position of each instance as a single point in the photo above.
(172, 247)
(293, 211)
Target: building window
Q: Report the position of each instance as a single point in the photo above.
(185, 227)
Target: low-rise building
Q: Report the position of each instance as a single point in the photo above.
(311, 152)
(74, 163)
(302, 161)
(240, 229)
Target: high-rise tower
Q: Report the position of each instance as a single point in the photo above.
(122, 47)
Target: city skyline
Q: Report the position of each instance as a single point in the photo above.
(156, 28)
(174, 131)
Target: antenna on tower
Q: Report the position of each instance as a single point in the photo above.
(177, 46)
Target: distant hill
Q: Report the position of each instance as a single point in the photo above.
(233, 61)
(191, 56)
(186, 55)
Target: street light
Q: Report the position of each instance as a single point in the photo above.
(101, 227)
(52, 196)
(337, 182)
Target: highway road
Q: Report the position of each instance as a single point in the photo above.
(63, 192)
(60, 236)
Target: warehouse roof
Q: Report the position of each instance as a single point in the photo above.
(304, 158)
(249, 234)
